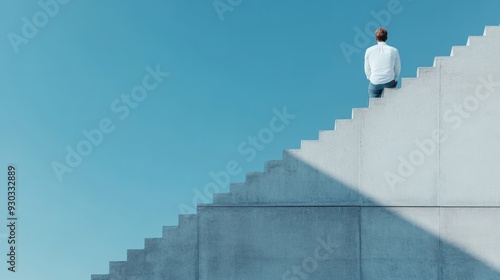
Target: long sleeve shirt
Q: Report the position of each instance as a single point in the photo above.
(382, 63)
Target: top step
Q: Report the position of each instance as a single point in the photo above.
(492, 31)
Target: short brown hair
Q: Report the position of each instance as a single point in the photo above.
(381, 34)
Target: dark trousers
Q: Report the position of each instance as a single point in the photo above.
(375, 91)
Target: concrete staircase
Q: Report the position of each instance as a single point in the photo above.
(409, 188)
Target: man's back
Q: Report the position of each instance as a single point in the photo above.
(382, 63)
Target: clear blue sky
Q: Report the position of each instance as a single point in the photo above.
(72, 70)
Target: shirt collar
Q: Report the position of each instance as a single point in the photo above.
(381, 43)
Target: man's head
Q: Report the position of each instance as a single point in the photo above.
(381, 34)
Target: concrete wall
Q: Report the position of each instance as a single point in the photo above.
(248, 243)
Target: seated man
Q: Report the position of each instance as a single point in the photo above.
(382, 65)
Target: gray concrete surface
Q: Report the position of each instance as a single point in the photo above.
(263, 242)
(248, 243)
(469, 170)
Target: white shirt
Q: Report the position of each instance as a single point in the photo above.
(382, 63)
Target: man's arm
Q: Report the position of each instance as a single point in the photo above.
(368, 70)
(397, 66)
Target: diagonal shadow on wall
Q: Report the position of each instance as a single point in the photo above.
(295, 222)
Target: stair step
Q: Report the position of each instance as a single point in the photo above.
(358, 113)
(406, 82)
(270, 165)
(152, 243)
(486, 41)
(237, 187)
(389, 92)
(376, 102)
(327, 135)
(187, 220)
(423, 72)
(308, 144)
(253, 177)
(341, 124)
(440, 60)
(168, 231)
(117, 270)
(473, 39)
(458, 50)
(99, 277)
(492, 31)
(223, 198)
(292, 156)
(136, 255)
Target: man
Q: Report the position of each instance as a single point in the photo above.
(382, 65)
